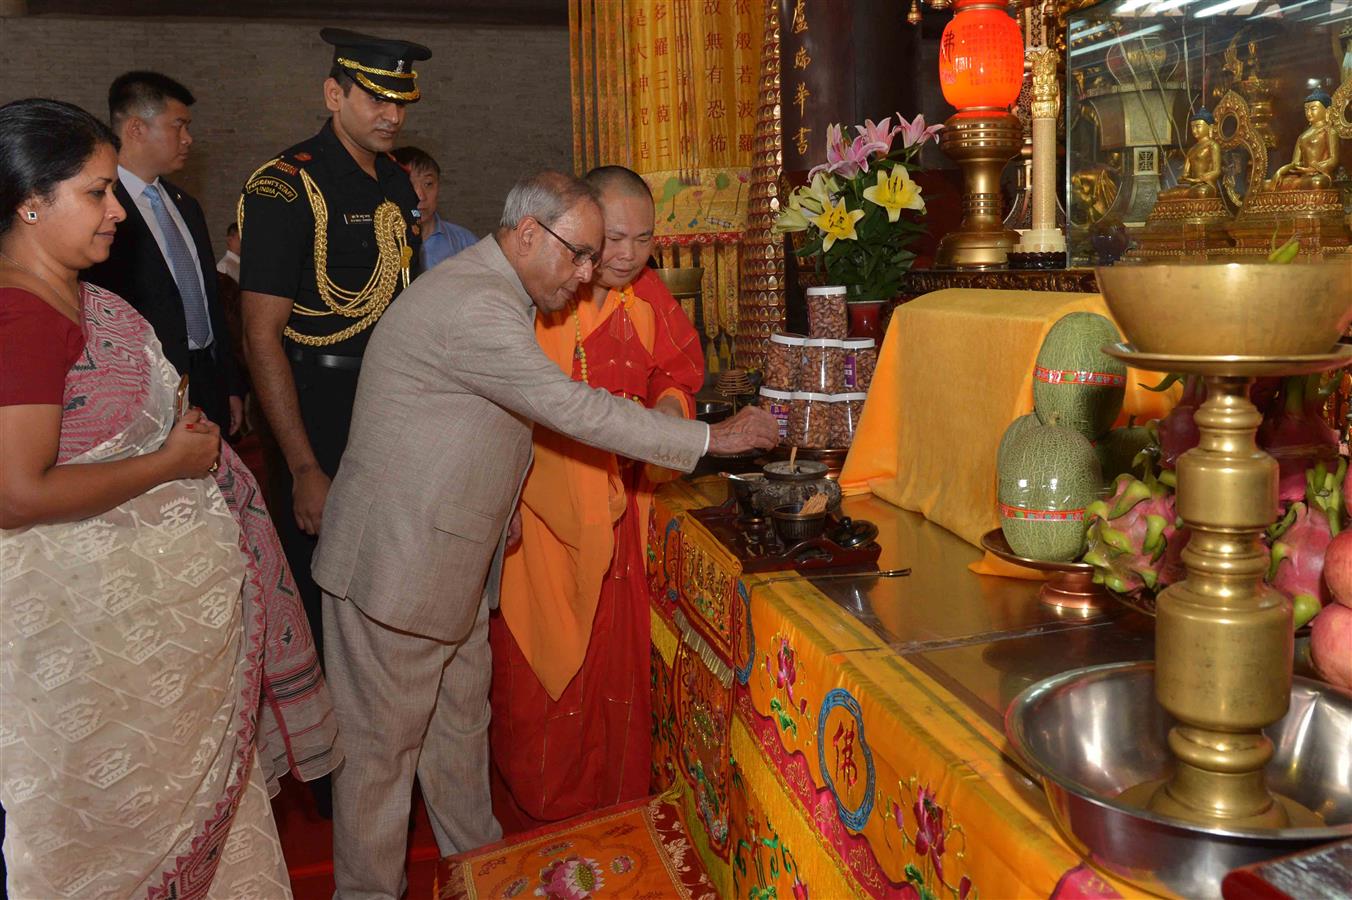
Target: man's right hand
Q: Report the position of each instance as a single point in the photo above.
(751, 429)
(308, 492)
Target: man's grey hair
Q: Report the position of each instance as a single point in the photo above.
(544, 196)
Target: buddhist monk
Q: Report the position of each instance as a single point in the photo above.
(570, 725)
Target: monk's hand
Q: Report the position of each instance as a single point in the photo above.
(514, 531)
(750, 429)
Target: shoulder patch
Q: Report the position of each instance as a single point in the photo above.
(269, 186)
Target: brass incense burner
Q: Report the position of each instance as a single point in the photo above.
(1223, 637)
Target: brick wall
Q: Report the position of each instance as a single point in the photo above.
(495, 100)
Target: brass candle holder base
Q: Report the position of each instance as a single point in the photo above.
(981, 142)
(1223, 638)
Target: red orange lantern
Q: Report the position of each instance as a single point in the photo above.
(981, 56)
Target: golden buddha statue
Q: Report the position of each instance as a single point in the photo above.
(1202, 166)
(1316, 154)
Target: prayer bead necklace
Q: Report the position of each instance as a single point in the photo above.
(579, 352)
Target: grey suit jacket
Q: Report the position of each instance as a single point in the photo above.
(452, 383)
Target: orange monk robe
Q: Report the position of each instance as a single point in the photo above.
(576, 501)
(574, 494)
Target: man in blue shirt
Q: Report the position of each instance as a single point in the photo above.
(440, 239)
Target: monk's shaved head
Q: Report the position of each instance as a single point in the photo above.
(619, 181)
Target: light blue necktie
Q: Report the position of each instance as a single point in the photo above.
(186, 272)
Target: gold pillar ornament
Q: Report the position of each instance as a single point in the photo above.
(1044, 236)
(761, 310)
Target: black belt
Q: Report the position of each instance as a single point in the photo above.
(326, 360)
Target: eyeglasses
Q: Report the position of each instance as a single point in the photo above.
(581, 255)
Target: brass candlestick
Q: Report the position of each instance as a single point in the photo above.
(981, 142)
(1223, 643)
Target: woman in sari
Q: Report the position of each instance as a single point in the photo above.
(156, 670)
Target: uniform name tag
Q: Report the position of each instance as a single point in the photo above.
(357, 218)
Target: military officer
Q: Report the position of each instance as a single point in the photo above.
(328, 240)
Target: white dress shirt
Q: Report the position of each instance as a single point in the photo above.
(137, 189)
(229, 264)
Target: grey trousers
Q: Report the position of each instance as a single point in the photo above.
(405, 704)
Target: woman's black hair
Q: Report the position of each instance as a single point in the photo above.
(43, 143)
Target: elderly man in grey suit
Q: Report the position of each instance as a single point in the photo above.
(418, 518)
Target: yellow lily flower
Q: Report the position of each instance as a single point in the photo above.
(837, 223)
(791, 219)
(816, 196)
(895, 192)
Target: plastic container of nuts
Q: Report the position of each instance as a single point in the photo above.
(827, 314)
(778, 404)
(859, 359)
(845, 412)
(823, 366)
(816, 420)
(783, 358)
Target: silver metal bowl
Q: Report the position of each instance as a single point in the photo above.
(1090, 734)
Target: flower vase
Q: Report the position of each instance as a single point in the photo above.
(865, 317)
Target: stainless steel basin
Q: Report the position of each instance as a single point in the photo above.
(1090, 734)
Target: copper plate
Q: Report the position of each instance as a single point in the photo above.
(1071, 588)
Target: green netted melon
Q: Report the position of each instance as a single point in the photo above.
(1117, 450)
(1074, 379)
(1016, 429)
(1047, 477)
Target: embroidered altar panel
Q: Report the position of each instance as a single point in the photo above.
(815, 761)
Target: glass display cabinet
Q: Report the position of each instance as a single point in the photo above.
(1207, 128)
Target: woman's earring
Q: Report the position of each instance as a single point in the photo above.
(31, 216)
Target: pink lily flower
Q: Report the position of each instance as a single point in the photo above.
(916, 131)
(845, 159)
(879, 134)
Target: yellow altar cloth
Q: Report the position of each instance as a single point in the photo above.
(955, 369)
(815, 760)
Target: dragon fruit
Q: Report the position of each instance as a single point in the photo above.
(1135, 537)
(1178, 432)
(1294, 433)
(1301, 539)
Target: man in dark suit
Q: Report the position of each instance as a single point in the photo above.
(162, 262)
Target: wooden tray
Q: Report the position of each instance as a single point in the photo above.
(756, 544)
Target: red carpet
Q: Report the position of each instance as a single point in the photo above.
(307, 844)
